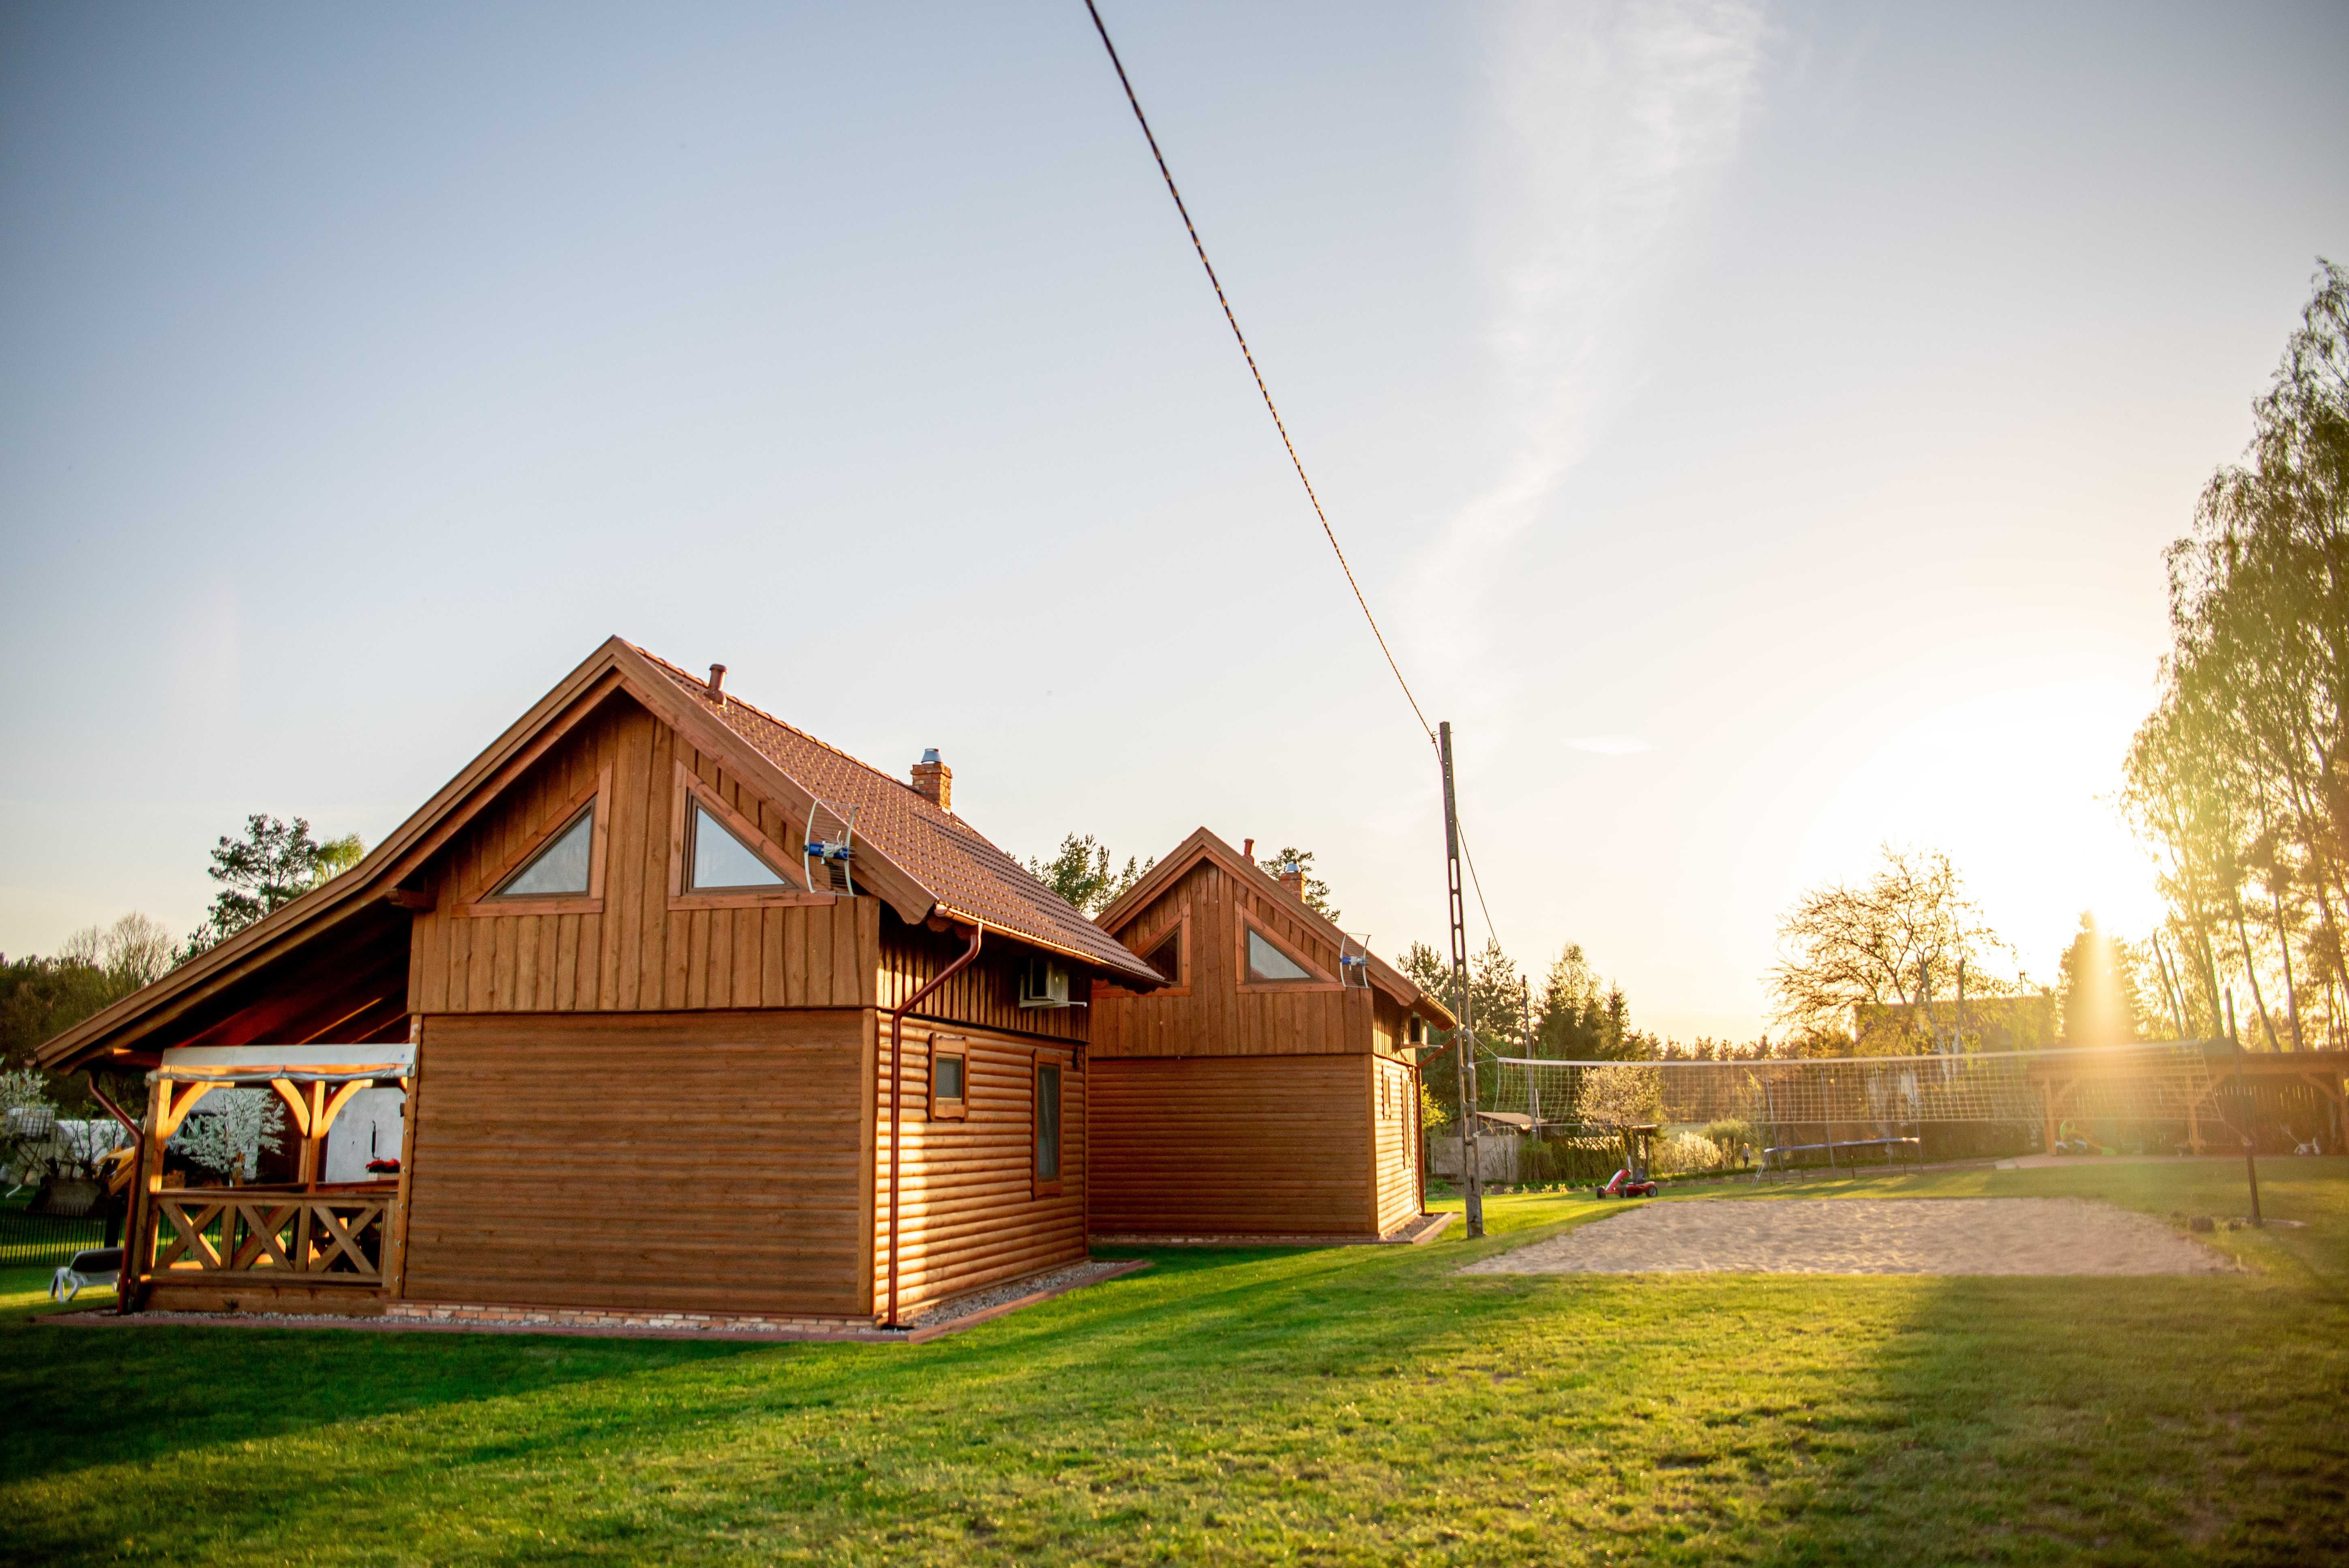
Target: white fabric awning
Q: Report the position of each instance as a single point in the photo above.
(261, 1063)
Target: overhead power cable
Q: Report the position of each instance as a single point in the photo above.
(1245, 353)
(1470, 856)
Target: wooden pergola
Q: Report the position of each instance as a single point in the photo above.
(336, 1236)
(2071, 1083)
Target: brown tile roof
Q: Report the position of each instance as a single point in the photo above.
(947, 855)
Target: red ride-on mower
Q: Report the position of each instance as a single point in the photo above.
(1633, 1180)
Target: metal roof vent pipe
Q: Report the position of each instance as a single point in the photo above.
(717, 685)
(934, 781)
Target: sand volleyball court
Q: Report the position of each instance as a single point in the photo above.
(1867, 1235)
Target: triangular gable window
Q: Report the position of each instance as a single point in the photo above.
(1268, 963)
(723, 863)
(1167, 956)
(559, 870)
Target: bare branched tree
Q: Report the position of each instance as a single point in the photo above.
(1896, 940)
(135, 951)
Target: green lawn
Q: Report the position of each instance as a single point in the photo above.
(1351, 1405)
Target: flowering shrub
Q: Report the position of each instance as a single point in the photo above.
(1732, 1138)
(1684, 1152)
(230, 1129)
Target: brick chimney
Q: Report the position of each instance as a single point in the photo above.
(936, 780)
(1292, 877)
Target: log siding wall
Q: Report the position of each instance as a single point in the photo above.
(1395, 1142)
(968, 1216)
(704, 1161)
(1232, 1145)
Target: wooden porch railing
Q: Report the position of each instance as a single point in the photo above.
(318, 1238)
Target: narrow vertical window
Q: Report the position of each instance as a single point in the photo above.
(948, 1071)
(1047, 1122)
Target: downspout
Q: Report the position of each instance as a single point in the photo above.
(133, 1220)
(1418, 1139)
(896, 1094)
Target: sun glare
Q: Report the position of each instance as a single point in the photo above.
(2018, 786)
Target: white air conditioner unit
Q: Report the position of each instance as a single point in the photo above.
(1044, 984)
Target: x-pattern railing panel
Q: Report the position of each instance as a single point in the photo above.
(341, 1235)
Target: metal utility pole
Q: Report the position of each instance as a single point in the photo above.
(1472, 1173)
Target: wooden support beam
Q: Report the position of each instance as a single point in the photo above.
(395, 1240)
(297, 1104)
(171, 1113)
(333, 1108)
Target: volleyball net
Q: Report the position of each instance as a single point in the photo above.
(2178, 1083)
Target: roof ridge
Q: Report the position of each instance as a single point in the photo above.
(729, 700)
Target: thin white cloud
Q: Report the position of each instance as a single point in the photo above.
(1610, 122)
(1610, 744)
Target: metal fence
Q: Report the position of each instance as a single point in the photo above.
(44, 1241)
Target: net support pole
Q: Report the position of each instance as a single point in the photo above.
(2250, 1121)
(1472, 1173)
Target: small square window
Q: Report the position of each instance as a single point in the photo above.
(949, 1080)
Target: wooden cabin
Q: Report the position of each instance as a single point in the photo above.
(635, 971)
(1268, 1086)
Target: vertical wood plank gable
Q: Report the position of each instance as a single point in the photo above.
(636, 954)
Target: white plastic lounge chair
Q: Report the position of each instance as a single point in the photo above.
(90, 1267)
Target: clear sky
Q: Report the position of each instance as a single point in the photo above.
(1758, 427)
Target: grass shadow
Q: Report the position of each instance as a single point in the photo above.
(89, 1396)
(1346, 1404)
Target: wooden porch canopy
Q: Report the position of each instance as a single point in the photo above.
(315, 1082)
(310, 1233)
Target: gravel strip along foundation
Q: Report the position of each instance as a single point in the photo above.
(947, 1317)
(1061, 1279)
(1869, 1235)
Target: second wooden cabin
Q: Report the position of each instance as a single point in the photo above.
(1269, 1088)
